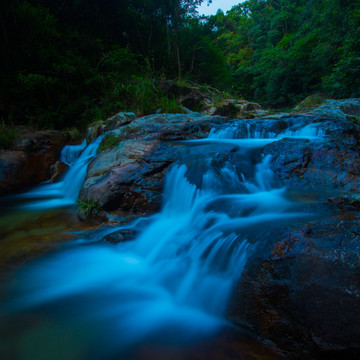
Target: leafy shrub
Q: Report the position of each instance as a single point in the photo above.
(170, 105)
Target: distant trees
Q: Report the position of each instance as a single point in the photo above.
(281, 50)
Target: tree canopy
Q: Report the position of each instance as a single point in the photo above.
(280, 51)
(72, 61)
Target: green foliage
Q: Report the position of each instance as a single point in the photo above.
(344, 80)
(140, 95)
(74, 134)
(310, 102)
(110, 141)
(66, 64)
(86, 206)
(81, 61)
(170, 105)
(354, 119)
(282, 51)
(7, 136)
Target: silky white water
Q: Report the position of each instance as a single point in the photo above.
(65, 192)
(173, 282)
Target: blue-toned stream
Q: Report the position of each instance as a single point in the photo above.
(167, 289)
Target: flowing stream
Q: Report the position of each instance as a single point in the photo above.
(65, 192)
(171, 285)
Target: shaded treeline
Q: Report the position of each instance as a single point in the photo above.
(67, 62)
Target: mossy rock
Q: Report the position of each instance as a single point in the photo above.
(310, 102)
(109, 142)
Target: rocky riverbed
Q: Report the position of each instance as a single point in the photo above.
(299, 289)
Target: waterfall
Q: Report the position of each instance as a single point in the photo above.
(70, 153)
(65, 192)
(173, 282)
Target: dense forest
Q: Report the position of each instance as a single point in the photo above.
(68, 62)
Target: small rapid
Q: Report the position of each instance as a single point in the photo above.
(265, 129)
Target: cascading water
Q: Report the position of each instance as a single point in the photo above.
(65, 193)
(70, 153)
(173, 282)
(266, 129)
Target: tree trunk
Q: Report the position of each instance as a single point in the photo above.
(176, 31)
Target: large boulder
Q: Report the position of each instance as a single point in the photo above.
(190, 97)
(126, 180)
(303, 294)
(233, 108)
(332, 162)
(114, 122)
(211, 101)
(30, 160)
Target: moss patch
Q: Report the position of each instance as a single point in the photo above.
(310, 102)
(110, 141)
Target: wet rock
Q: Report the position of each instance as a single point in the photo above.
(30, 161)
(121, 236)
(240, 109)
(112, 123)
(122, 178)
(351, 107)
(59, 170)
(301, 290)
(129, 176)
(304, 294)
(332, 162)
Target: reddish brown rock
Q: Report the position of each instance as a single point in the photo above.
(30, 162)
(58, 171)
